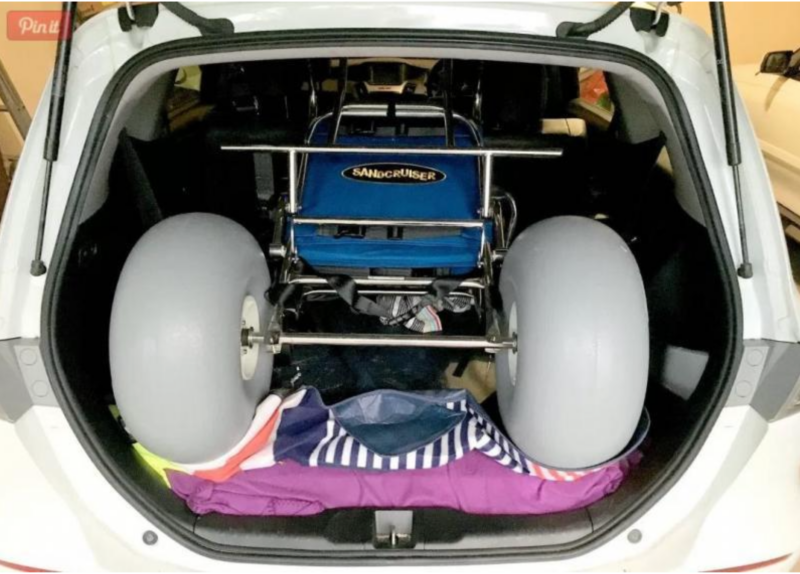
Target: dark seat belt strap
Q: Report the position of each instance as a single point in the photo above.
(346, 288)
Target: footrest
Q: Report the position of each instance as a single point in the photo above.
(356, 340)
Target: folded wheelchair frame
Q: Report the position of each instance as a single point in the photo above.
(476, 286)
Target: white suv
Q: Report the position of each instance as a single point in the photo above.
(614, 243)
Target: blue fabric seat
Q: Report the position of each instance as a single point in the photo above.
(454, 195)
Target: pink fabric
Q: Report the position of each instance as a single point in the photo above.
(473, 484)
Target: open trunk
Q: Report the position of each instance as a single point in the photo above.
(628, 163)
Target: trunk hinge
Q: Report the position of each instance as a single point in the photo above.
(137, 15)
(732, 144)
(206, 26)
(53, 137)
(643, 20)
(145, 15)
(586, 29)
(656, 22)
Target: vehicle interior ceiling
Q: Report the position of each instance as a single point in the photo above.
(608, 171)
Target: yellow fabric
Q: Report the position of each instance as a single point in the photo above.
(158, 464)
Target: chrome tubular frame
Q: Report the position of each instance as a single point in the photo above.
(486, 188)
(340, 97)
(419, 293)
(313, 99)
(400, 282)
(473, 152)
(475, 287)
(504, 230)
(485, 153)
(292, 181)
(401, 111)
(435, 341)
(379, 111)
(459, 223)
(449, 128)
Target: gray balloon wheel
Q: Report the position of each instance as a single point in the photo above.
(573, 392)
(184, 385)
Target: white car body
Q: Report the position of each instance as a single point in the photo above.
(773, 103)
(736, 504)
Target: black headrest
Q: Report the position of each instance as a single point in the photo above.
(465, 78)
(223, 82)
(514, 96)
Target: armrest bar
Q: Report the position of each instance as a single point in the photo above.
(486, 153)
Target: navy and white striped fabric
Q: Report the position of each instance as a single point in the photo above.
(309, 433)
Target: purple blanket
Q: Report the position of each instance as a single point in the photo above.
(474, 484)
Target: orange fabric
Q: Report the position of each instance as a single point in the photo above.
(231, 466)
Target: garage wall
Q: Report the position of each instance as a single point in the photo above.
(29, 64)
(754, 28)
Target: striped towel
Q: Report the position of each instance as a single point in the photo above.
(300, 427)
(310, 434)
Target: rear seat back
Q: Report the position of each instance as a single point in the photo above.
(513, 107)
(531, 112)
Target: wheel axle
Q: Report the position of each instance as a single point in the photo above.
(276, 339)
